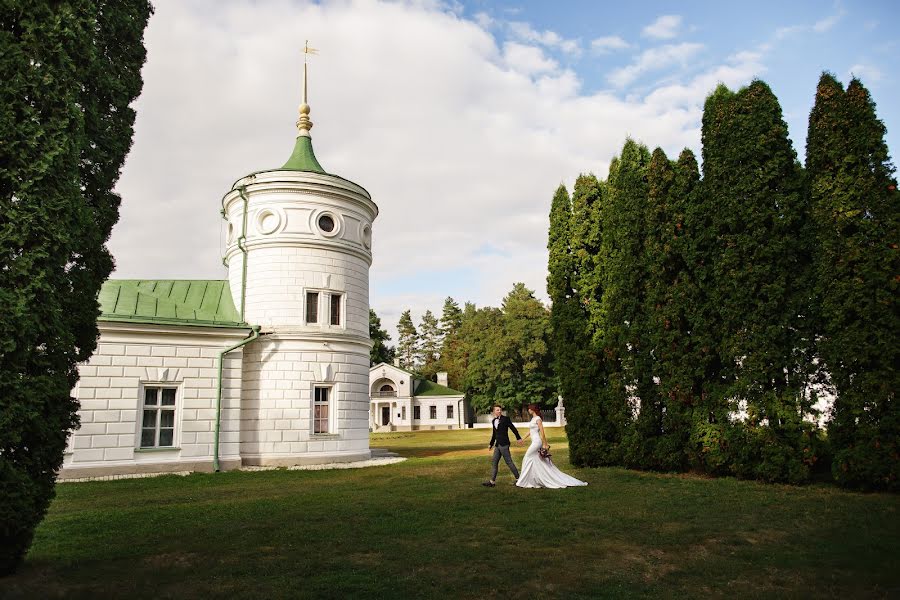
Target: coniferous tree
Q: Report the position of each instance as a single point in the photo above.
(760, 274)
(70, 71)
(623, 334)
(451, 318)
(857, 217)
(573, 365)
(675, 347)
(595, 419)
(380, 352)
(429, 347)
(661, 430)
(407, 341)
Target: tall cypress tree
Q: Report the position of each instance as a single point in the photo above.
(598, 417)
(760, 273)
(70, 71)
(661, 431)
(623, 334)
(675, 344)
(857, 217)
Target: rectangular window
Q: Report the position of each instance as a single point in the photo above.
(335, 309)
(158, 421)
(432, 412)
(312, 307)
(417, 412)
(320, 410)
(403, 413)
(449, 411)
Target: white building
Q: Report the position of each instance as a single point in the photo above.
(401, 401)
(267, 368)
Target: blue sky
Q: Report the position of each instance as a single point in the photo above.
(461, 119)
(797, 41)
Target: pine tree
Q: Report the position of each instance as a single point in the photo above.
(407, 341)
(70, 72)
(451, 318)
(380, 352)
(429, 348)
(760, 277)
(857, 217)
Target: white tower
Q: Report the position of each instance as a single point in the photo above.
(298, 257)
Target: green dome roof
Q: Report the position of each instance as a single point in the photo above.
(303, 158)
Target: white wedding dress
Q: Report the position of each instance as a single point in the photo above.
(540, 472)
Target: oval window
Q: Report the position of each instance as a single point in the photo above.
(326, 223)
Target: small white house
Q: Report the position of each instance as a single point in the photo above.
(401, 401)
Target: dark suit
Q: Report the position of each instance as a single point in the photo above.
(500, 437)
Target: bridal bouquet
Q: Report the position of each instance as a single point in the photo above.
(545, 452)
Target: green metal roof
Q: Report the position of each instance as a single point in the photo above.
(430, 388)
(205, 303)
(303, 157)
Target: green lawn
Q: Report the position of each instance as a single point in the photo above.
(427, 528)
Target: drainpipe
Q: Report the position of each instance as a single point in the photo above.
(254, 335)
(242, 246)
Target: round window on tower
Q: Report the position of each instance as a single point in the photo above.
(268, 221)
(365, 234)
(327, 223)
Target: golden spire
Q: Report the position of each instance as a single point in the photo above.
(303, 123)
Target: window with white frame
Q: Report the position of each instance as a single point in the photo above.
(417, 412)
(449, 411)
(432, 412)
(321, 409)
(158, 420)
(403, 412)
(329, 303)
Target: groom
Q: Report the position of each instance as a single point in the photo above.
(501, 425)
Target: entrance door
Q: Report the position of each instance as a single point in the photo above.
(385, 415)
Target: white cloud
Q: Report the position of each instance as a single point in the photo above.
(654, 59)
(551, 39)
(827, 23)
(484, 20)
(460, 141)
(821, 26)
(602, 45)
(527, 59)
(664, 28)
(865, 73)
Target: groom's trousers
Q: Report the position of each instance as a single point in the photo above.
(504, 452)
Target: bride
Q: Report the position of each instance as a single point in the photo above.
(537, 471)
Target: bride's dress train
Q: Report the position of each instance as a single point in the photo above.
(539, 472)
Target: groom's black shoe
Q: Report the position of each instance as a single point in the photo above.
(488, 484)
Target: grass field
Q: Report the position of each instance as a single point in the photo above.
(426, 528)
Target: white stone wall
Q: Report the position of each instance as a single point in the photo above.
(280, 372)
(441, 422)
(278, 279)
(110, 392)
